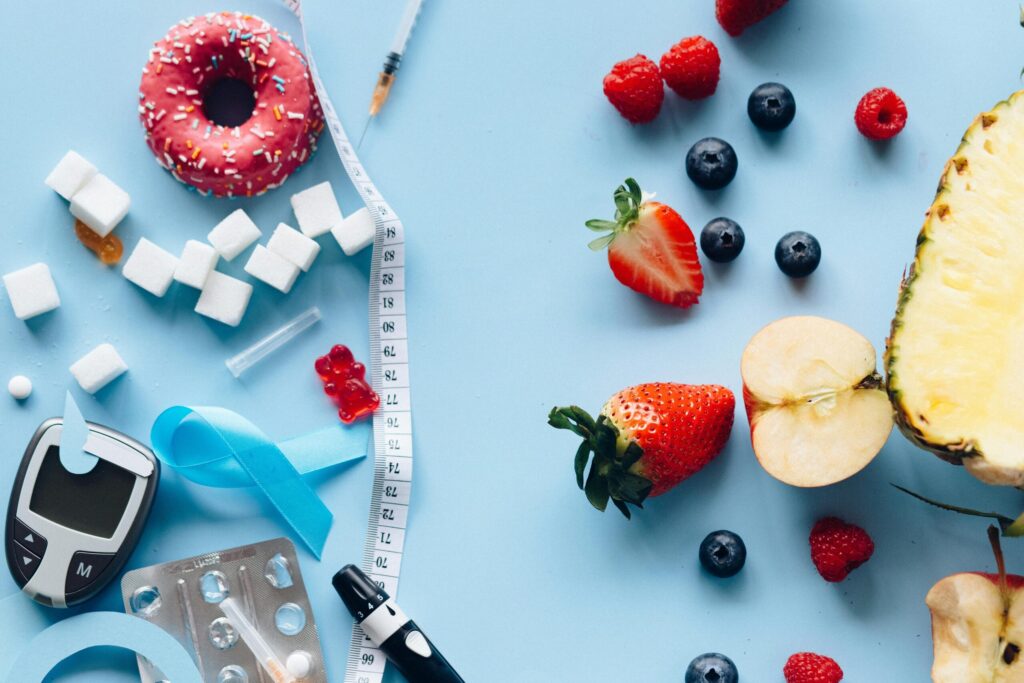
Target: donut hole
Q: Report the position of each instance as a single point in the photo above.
(229, 102)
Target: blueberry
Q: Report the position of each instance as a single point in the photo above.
(771, 106)
(711, 163)
(722, 240)
(712, 668)
(723, 553)
(798, 254)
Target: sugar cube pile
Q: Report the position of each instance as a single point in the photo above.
(356, 232)
(70, 174)
(224, 299)
(98, 368)
(196, 263)
(32, 291)
(316, 209)
(291, 244)
(269, 267)
(100, 204)
(234, 234)
(150, 267)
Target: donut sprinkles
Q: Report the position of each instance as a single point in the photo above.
(229, 161)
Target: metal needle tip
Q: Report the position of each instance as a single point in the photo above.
(363, 136)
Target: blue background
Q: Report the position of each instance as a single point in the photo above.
(497, 145)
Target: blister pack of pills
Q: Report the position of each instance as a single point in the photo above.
(243, 613)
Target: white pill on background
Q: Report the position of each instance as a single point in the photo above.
(300, 664)
(20, 387)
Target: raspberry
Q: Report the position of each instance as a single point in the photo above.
(881, 114)
(634, 87)
(736, 16)
(807, 667)
(691, 68)
(837, 548)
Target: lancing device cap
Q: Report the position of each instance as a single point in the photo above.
(359, 593)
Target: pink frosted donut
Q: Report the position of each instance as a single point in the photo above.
(247, 159)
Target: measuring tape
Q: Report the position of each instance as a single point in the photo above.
(389, 352)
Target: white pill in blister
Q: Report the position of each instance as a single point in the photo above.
(20, 387)
(300, 664)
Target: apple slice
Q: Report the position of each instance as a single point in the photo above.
(817, 407)
(978, 626)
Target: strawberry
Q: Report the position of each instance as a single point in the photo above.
(837, 548)
(691, 68)
(647, 439)
(735, 16)
(807, 667)
(650, 248)
(634, 87)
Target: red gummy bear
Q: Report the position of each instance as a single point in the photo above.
(345, 381)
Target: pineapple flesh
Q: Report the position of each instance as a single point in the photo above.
(955, 357)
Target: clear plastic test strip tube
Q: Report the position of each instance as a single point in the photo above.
(264, 655)
(249, 357)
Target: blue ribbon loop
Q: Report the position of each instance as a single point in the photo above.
(217, 447)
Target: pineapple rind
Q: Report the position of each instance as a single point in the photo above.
(958, 450)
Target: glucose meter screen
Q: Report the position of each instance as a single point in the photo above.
(91, 503)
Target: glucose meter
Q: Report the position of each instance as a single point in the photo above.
(69, 534)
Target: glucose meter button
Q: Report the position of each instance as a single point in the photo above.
(84, 569)
(26, 562)
(416, 642)
(29, 539)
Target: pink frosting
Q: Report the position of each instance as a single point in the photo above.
(248, 159)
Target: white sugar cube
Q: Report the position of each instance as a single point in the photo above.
(234, 234)
(275, 270)
(31, 291)
(356, 232)
(100, 204)
(98, 368)
(316, 209)
(294, 246)
(150, 267)
(224, 299)
(70, 174)
(197, 261)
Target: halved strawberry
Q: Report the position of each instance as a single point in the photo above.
(650, 248)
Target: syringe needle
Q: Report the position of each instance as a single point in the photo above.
(365, 128)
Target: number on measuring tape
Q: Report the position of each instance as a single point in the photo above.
(391, 303)
(397, 422)
(389, 355)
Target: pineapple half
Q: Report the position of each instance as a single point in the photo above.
(955, 356)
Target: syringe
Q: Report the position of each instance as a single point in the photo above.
(386, 78)
(259, 647)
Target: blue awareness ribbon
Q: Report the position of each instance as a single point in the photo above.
(217, 447)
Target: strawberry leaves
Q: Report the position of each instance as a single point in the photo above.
(610, 476)
(628, 199)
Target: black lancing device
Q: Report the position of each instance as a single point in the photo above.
(68, 535)
(397, 636)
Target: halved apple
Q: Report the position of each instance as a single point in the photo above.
(817, 406)
(977, 629)
(978, 625)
